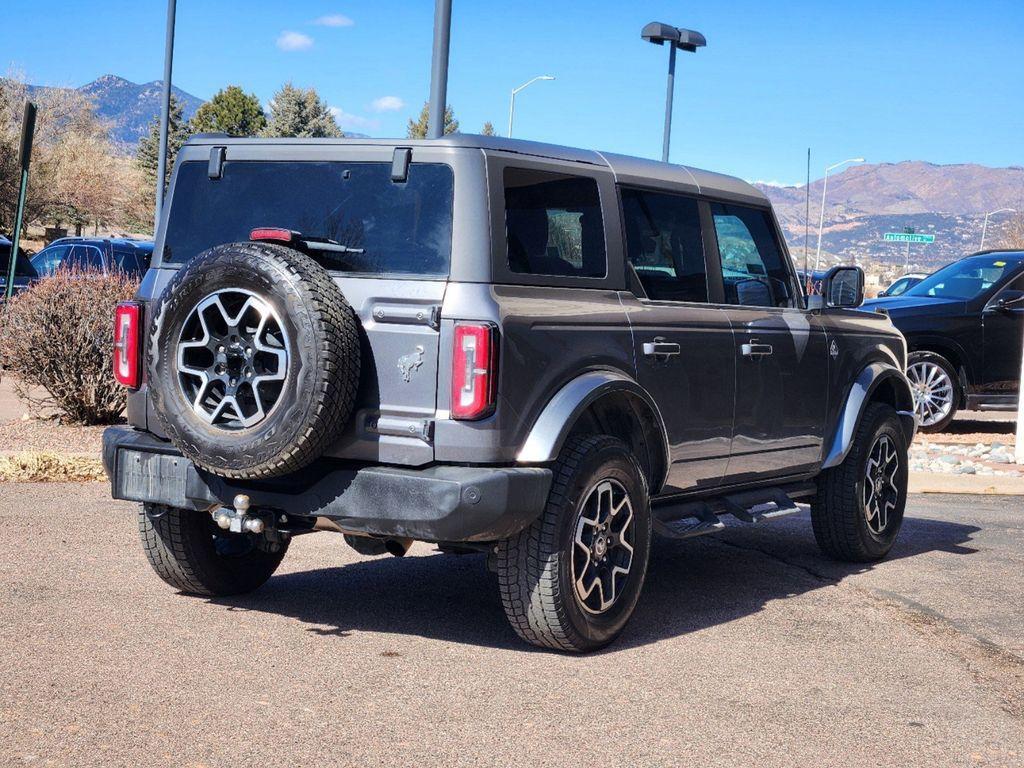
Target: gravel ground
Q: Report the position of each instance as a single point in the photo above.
(747, 649)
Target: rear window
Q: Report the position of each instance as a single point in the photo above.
(553, 224)
(390, 228)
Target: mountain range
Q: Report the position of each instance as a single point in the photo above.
(130, 107)
(866, 201)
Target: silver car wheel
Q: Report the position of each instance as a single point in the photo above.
(881, 492)
(232, 359)
(933, 392)
(602, 552)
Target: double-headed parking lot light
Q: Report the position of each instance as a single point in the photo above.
(684, 39)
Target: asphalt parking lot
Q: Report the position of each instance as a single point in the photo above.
(747, 649)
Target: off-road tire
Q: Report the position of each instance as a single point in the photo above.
(533, 567)
(938, 360)
(319, 393)
(187, 550)
(837, 511)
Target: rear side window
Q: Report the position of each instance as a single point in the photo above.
(86, 257)
(664, 245)
(129, 261)
(402, 229)
(753, 268)
(553, 224)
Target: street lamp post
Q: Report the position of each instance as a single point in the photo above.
(684, 39)
(512, 101)
(821, 217)
(165, 112)
(439, 69)
(984, 227)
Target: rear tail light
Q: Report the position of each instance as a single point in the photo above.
(273, 234)
(127, 370)
(474, 370)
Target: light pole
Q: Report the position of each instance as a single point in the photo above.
(684, 39)
(439, 69)
(512, 101)
(984, 227)
(821, 218)
(165, 112)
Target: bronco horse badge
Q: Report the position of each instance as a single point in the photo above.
(410, 363)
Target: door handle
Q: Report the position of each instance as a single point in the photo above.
(661, 348)
(754, 349)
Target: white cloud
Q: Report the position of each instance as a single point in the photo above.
(387, 104)
(334, 20)
(294, 41)
(357, 123)
(773, 183)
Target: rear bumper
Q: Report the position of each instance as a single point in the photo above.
(441, 503)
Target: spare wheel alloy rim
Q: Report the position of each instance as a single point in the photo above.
(233, 356)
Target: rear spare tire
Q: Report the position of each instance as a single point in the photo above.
(252, 360)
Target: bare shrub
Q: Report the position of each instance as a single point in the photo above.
(59, 336)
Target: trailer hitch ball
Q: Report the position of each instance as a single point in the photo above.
(241, 504)
(223, 520)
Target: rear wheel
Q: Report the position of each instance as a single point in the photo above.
(858, 510)
(572, 579)
(193, 555)
(933, 381)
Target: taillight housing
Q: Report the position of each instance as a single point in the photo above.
(127, 368)
(474, 370)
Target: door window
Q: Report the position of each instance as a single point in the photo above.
(754, 271)
(553, 224)
(664, 246)
(48, 260)
(86, 257)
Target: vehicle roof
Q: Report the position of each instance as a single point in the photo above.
(627, 169)
(144, 245)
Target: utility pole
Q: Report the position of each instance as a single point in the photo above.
(165, 114)
(439, 68)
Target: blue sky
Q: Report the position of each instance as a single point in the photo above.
(939, 81)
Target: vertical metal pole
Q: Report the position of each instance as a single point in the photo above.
(984, 229)
(668, 102)
(439, 68)
(821, 222)
(807, 220)
(165, 114)
(906, 266)
(511, 112)
(28, 129)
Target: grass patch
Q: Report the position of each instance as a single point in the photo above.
(49, 467)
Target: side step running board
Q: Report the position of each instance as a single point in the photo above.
(684, 520)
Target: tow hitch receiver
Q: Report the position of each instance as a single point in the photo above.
(238, 520)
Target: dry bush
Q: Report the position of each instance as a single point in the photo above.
(59, 336)
(49, 467)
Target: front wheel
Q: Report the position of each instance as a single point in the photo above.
(188, 551)
(858, 510)
(933, 381)
(571, 580)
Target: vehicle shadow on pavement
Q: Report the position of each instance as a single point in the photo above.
(691, 585)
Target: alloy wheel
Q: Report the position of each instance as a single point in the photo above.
(602, 552)
(881, 492)
(232, 359)
(933, 392)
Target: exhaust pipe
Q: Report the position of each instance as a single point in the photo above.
(397, 547)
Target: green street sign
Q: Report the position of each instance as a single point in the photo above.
(905, 237)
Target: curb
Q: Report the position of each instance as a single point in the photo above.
(931, 482)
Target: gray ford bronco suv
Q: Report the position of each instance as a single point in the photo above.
(539, 353)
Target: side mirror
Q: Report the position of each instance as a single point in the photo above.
(843, 287)
(1009, 301)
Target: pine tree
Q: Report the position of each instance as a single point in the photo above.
(488, 129)
(148, 153)
(300, 112)
(231, 111)
(418, 128)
